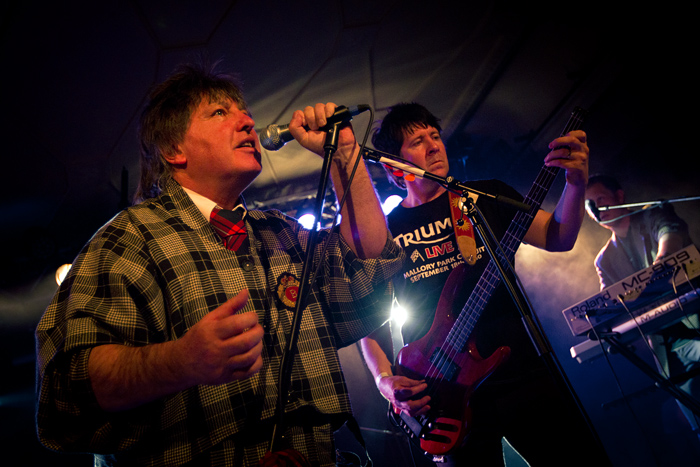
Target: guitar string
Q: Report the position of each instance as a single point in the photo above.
(458, 336)
(491, 279)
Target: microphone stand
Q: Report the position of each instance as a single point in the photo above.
(668, 384)
(520, 299)
(611, 338)
(595, 211)
(450, 183)
(487, 237)
(329, 147)
(652, 204)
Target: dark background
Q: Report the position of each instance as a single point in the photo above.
(503, 76)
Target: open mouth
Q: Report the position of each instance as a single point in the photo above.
(247, 144)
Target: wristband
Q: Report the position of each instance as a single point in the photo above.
(379, 377)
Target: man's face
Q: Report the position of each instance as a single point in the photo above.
(603, 197)
(220, 145)
(425, 148)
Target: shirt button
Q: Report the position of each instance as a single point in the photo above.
(247, 264)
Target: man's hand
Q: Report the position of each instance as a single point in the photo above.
(400, 391)
(305, 125)
(570, 152)
(220, 348)
(223, 346)
(363, 225)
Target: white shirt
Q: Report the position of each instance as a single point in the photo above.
(206, 206)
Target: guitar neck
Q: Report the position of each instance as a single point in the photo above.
(490, 278)
(538, 192)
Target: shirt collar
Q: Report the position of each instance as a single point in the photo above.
(206, 206)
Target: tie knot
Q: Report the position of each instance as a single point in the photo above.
(230, 227)
(226, 215)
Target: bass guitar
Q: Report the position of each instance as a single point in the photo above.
(446, 357)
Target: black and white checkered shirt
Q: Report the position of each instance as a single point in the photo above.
(154, 271)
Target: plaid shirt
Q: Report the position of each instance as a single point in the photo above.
(154, 271)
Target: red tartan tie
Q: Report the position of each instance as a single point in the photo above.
(230, 227)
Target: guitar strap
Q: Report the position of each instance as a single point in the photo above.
(464, 230)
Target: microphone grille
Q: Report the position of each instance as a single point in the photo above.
(275, 136)
(270, 138)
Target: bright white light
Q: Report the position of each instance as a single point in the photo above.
(390, 203)
(62, 272)
(307, 220)
(398, 314)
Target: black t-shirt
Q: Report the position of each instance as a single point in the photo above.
(427, 236)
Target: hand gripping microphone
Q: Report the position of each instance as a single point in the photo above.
(274, 137)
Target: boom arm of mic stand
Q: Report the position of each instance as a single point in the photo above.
(458, 187)
(487, 237)
(490, 242)
(649, 203)
(450, 183)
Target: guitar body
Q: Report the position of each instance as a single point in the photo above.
(448, 422)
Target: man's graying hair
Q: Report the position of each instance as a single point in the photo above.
(166, 118)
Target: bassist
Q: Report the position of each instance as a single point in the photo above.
(519, 399)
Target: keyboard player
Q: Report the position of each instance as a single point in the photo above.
(637, 240)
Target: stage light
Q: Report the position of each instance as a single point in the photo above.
(398, 314)
(307, 220)
(62, 272)
(390, 203)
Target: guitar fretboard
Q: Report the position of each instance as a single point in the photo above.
(490, 278)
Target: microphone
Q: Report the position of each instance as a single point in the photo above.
(592, 209)
(274, 137)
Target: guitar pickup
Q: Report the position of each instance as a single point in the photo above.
(447, 367)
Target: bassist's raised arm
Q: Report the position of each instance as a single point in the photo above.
(557, 231)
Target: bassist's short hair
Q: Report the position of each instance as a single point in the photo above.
(402, 119)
